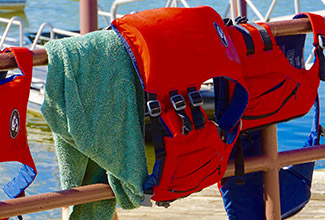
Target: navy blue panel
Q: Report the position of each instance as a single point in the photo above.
(293, 48)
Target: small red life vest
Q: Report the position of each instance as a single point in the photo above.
(14, 92)
(278, 90)
(174, 50)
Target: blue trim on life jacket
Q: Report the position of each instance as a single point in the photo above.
(236, 107)
(313, 138)
(153, 178)
(8, 79)
(130, 52)
(18, 184)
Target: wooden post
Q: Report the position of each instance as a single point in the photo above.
(271, 176)
(88, 16)
(243, 8)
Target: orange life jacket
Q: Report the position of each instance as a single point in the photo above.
(174, 50)
(278, 90)
(14, 147)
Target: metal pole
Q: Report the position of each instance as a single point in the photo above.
(297, 6)
(239, 10)
(88, 16)
(268, 14)
(255, 10)
(271, 176)
(233, 9)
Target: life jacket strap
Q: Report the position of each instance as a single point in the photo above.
(248, 39)
(154, 113)
(179, 106)
(241, 20)
(228, 114)
(320, 55)
(264, 35)
(239, 164)
(196, 101)
(318, 26)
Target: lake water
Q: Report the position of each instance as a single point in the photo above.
(64, 14)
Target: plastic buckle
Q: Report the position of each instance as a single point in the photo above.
(154, 108)
(178, 102)
(321, 40)
(195, 98)
(146, 201)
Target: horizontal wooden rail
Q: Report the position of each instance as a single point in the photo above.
(46, 201)
(285, 158)
(278, 28)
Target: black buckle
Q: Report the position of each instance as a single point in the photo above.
(241, 20)
(154, 108)
(178, 102)
(195, 98)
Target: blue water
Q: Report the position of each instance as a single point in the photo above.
(64, 14)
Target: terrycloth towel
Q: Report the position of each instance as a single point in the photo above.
(94, 105)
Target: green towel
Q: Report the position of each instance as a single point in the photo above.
(94, 105)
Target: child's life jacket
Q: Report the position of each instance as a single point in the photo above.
(278, 90)
(246, 201)
(174, 50)
(13, 138)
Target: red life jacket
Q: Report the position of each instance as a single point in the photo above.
(14, 147)
(278, 91)
(174, 53)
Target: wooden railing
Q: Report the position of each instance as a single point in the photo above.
(269, 162)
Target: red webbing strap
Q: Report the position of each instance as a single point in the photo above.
(317, 24)
(318, 27)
